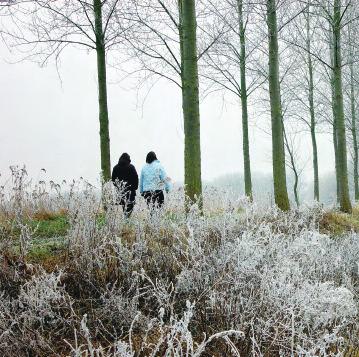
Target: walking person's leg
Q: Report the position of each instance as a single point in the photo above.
(123, 204)
(129, 209)
(127, 203)
(147, 195)
(158, 199)
(130, 204)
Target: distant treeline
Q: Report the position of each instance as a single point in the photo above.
(263, 187)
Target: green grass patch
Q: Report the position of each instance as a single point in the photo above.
(43, 248)
(48, 238)
(53, 227)
(45, 227)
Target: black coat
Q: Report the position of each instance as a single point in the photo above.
(125, 175)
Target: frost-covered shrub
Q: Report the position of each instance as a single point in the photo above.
(41, 314)
(117, 310)
(158, 339)
(285, 289)
(22, 196)
(290, 289)
(45, 303)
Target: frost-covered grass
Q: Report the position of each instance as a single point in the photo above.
(240, 280)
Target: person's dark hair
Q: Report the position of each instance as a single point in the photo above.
(151, 156)
(125, 157)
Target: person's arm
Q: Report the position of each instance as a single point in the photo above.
(134, 178)
(164, 178)
(141, 182)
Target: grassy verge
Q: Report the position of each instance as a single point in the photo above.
(54, 226)
(49, 232)
(337, 223)
(48, 237)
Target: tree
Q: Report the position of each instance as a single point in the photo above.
(48, 27)
(353, 110)
(336, 17)
(244, 100)
(278, 153)
(163, 42)
(230, 65)
(313, 121)
(334, 116)
(338, 104)
(291, 146)
(190, 99)
(304, 81)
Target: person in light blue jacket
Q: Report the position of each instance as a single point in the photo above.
(153, 181)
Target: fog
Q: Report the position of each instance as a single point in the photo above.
(50, 120)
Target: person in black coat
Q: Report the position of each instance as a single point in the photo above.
(125, 178)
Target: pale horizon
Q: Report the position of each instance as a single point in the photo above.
(51, 122)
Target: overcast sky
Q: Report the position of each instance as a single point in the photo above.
(53, 124)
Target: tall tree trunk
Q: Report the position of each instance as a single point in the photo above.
(295, 188)
(355, 143)
(102, 93)
(345, 204)
(311, 109)
(335, 140)
(279, 174)
(244, 103)
(315, 155)
(190, 101)
(293, 167)
(353, 120)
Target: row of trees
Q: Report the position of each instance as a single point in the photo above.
(298, 57)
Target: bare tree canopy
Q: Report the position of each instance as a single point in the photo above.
(42, 30)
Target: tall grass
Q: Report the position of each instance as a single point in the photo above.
(238, 280)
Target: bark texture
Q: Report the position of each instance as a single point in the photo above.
(244, 103)
(353, 121)
(190, 101)
(102, 93)
(278, 153)
(342, 166)
(311, 108)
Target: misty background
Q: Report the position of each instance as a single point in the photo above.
(50, 120)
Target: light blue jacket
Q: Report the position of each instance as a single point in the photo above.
(153, 178)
